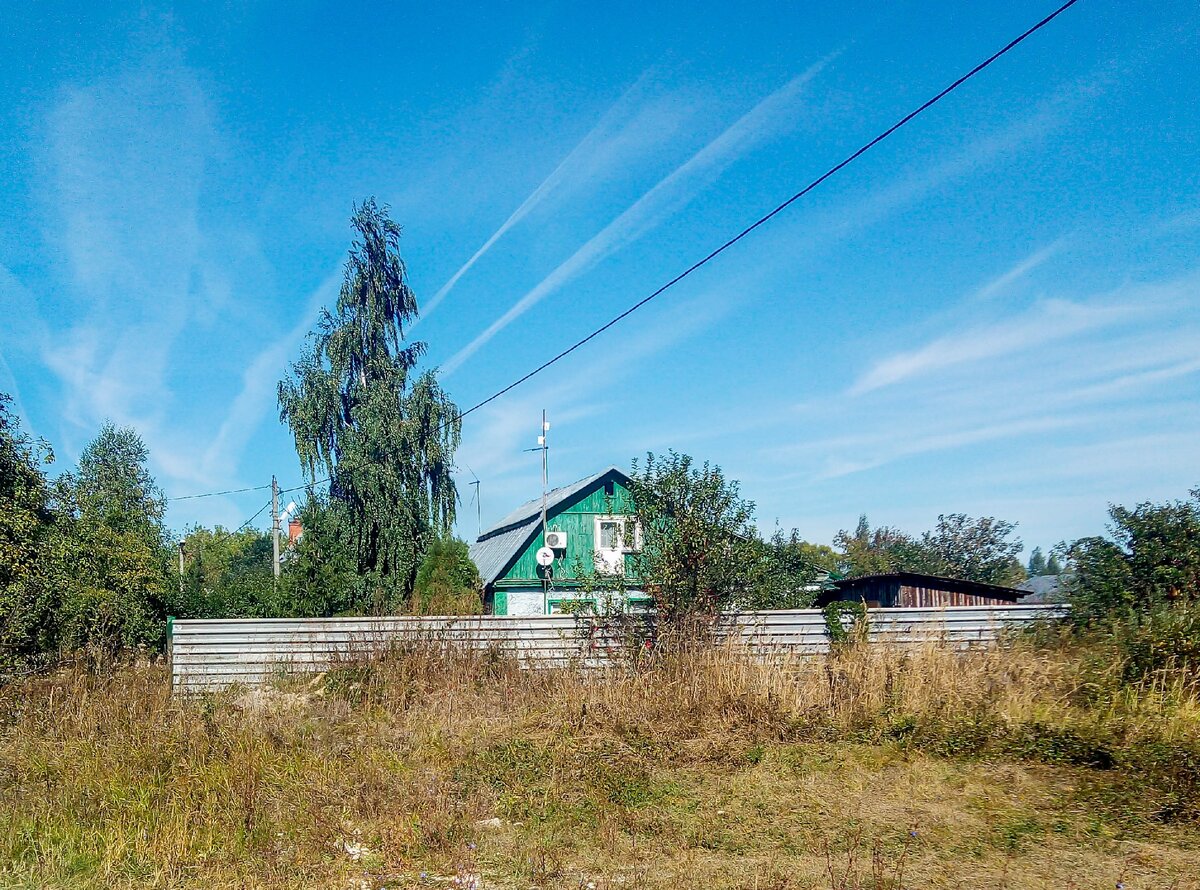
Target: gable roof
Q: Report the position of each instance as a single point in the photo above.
(499, 545)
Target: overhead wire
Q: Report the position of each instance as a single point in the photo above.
(849, 159)
(213, 494)
(760, 221)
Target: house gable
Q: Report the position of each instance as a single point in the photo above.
(606, 496)
(506, 553)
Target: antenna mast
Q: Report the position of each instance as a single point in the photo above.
(478, 511)
(543, 442)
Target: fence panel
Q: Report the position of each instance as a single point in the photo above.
(215, 653)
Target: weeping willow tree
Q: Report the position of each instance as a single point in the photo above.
(363, 416)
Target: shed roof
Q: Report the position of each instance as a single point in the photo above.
(496, 547)
(919, 579)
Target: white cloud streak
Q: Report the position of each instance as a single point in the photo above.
(257, 394)
(1045, 323)
(668, 196)
(621, 135)
(1001, 283)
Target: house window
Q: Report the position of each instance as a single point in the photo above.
(615, 536)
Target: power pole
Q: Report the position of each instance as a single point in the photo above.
(275, 527)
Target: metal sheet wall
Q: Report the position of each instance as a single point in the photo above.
(211, 654)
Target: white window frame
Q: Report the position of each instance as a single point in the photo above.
(609, 559)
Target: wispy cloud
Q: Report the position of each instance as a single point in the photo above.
(668, 196)
(1058, 372)
(633, 125)
(257, 395)
(1004, 281)
(127, 161)
(1045, 323)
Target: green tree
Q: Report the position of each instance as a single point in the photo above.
(785, 573)
(117, 549)
(700, 551)
(227, 575)
(973, 549)
(1053, 565)
(867, 551)
(362, 415)
(1150, 559)
(28, 519)
(957, 547)
(448, 582)
(1037, 563)
(322, 579)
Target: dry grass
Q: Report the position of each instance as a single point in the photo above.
(877, 769)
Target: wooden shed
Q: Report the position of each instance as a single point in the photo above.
(914, 590)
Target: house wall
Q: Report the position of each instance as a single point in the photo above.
(578, 520)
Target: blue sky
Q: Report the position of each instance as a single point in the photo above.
(994, 312)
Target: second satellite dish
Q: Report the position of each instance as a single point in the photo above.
(545, 556)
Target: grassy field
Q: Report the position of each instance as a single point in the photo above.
(1010, 768)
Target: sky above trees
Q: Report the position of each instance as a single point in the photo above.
(994, 313)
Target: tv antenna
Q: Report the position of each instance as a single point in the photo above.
(543, 445)
(478, 502)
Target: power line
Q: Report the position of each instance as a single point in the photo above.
(762, 220)
(213, 494)
(252, 518)
(780, 208)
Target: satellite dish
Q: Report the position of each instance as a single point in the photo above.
(545, 556)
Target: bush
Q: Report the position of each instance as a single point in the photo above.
(1150, 559)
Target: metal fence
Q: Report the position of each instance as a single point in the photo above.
(215, 653)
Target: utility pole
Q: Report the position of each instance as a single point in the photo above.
(275, 527)
(181, 569)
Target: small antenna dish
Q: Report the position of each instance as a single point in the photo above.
(545, 557)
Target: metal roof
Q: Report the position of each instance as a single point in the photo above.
(492, 555)
(929, 580)
(497, 546)
(1042, 589)
(553, 499)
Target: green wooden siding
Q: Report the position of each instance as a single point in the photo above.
(578, 520)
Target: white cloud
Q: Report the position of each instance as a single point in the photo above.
(257, 395)
(668, 196)
(631, 127)
(1047, 322)
(1044, 387)
(127, 161)
(1001, 283)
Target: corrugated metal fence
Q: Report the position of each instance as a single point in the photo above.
(210, 654)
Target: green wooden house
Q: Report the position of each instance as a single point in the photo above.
(589, 527)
